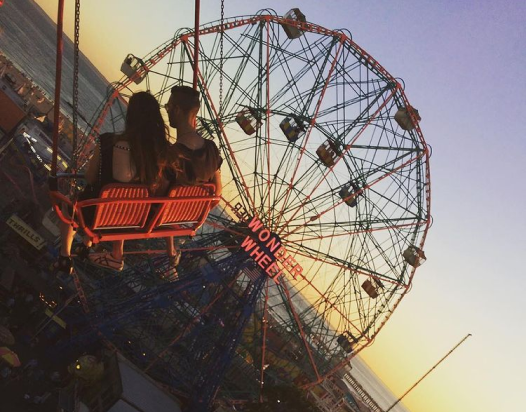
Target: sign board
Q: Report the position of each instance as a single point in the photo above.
(26, 231)
(268, 252)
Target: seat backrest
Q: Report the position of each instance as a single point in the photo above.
(192, 205)
(125, 209)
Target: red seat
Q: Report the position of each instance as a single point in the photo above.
(184, 211)
(126, 211)
(121, 214)
(192, 205)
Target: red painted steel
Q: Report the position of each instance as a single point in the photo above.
(347, 148)
(196, 42)
(58, 82)
(185, 211)
(122, 214)
(264, 341)
(225, 137)
(302, 333)
(365, 57)
(303, 149)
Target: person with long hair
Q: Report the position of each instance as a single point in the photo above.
(137, 155)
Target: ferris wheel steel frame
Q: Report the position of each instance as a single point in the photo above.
(265, 186)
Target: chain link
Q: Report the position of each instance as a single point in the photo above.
(221, 61)
(76, 82)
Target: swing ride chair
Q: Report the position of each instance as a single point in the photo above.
(125, 211)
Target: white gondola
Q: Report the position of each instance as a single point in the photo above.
(328, 153)
(414, 256)
(344, 340)
(403, 117)
(292, 128)
(349, 194)
(293, 32)
(248, 120)
(133, 65)
(372, 288)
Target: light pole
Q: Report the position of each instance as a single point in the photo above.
(428, 372)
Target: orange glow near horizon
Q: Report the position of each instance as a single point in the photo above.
(91, 39)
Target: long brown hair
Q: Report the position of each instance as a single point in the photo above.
(146, 134)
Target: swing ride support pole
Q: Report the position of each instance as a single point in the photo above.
(196, 43)
(428, 372)
(58, 80)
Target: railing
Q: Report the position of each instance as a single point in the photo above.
(365, 397)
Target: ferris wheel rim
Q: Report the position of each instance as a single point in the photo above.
(423, 156)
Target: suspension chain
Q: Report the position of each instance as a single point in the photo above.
(76, 83)
(221, 61)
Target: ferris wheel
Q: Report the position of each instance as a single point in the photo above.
(326, 188)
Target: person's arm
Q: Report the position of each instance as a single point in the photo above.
(93, 167)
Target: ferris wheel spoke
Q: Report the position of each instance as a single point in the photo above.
(247, 61)
(267, 114)
(344, 152)
(325, 302)
(292, 86)
(301, 331)
(391, 173)
(382, 225)
(275, 192)
(382, 254)
(323, 55)
(280, 61)
(409, 210)
(340, 264)
(313, 120)
(320, 214)
(254, 99)
(235, 168)
(290, 96)
(278, 191)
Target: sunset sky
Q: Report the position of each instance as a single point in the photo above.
(463, 65)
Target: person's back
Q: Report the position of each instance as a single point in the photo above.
(195, 166)
(117, 165)
(136, 155)
(123, 168)
(193, 159)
